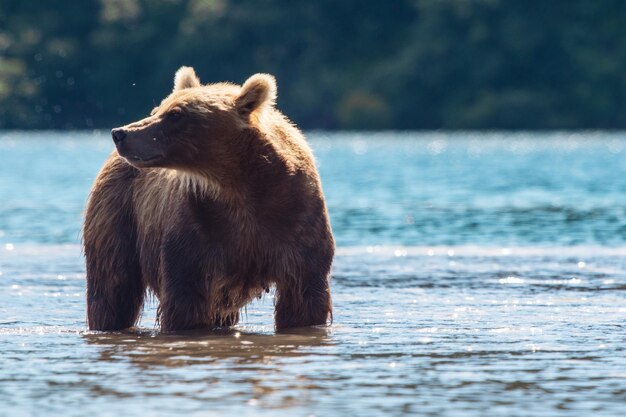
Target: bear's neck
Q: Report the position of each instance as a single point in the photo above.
(195, 184)
(253, 171)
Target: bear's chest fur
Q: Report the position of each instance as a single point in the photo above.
(241, 248)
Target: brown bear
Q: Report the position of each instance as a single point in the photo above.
(208, 202)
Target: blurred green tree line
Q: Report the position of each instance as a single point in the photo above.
(351, 64)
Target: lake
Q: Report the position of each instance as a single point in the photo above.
(477, 274)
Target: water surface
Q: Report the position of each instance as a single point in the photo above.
(476, 275)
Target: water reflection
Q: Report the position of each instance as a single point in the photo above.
(221, 370)
(150, 349)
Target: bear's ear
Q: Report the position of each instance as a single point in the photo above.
(185, 77)
(258, 90)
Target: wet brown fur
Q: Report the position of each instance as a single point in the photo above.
(231, 205)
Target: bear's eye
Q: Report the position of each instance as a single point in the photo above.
(175, 113)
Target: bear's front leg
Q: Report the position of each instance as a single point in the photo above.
(310, 305)
(305, 300)
(185, 287)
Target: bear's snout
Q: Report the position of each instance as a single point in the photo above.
(119, 135)
(132, 144)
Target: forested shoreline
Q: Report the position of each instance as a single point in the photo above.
(404, 64)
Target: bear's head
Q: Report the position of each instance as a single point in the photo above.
(197, 125)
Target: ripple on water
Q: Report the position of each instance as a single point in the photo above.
(428, 330)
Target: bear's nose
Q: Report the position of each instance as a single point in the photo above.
(118, 135)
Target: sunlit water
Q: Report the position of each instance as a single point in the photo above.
(476, 275)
